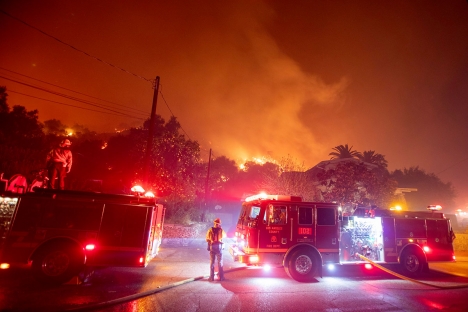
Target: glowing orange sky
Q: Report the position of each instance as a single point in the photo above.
(253, 78)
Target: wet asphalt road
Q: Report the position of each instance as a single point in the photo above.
(245, 289)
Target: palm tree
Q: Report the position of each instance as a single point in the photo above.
(373, 158)
(343, 151)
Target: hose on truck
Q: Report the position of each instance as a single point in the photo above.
(410, 279)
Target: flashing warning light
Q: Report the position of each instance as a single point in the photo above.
(137, 189)
(90, 247)
(410, 240)
(368, 266)
(331, 267)
(150, 194)
(255, 197)
(253, 259)
(142, 259)
(267, 267)
(273, 197)
(426, 248)
(434, 207)
(4, 266)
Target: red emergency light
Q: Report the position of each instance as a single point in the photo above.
(434, 207)
(150, 194)
(273, 197)
(256, 197)
(137, 189)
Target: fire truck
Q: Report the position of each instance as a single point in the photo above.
(304, 236)
(59, 232)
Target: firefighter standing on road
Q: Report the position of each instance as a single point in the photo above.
(214, 237)
(59, 163)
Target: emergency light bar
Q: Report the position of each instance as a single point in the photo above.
(137, 189)
(258, 196)
(434, 207)
(273, 197)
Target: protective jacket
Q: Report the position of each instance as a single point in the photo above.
(214, 237)
(60, 155)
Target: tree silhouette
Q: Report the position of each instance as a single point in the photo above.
(289, 178)
(21, 139)
(431, 190)
(351, 183)
(343, 151)
(373, 158)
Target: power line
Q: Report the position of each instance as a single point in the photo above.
(103, 106)
(452, 166)
(74, 48)
(173, 114)
(89, 109)
(11, 71)
(64, 95)
(68, 97)
(92, 56)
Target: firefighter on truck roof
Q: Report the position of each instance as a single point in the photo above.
(59, 163)
(214, 238)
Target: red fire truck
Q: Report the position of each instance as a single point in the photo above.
(304, 236)
(59, 232)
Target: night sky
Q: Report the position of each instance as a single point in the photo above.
(256, 78)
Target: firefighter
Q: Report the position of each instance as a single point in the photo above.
(59, 163)
(214, 238)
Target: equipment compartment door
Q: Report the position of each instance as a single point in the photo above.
(124, 234)
(438, 239)
(327, 230)
(389, 244)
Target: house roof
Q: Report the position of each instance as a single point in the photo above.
(332, 163)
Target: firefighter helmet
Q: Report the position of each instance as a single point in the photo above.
(65, 142)
(217, 220)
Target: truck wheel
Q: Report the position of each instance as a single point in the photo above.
(412, 262)
(302, 265)
(57, 264)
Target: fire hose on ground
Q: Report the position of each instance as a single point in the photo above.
(129, 298)
(410, 279)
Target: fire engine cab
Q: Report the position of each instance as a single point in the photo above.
(304, 236)
(59, 232)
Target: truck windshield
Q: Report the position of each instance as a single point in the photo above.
(254, 212)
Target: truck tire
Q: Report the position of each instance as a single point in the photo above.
(413, 262)
(303, 265)
(57, 263)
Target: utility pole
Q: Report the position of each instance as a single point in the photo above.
(149, 146)
(207, 179)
